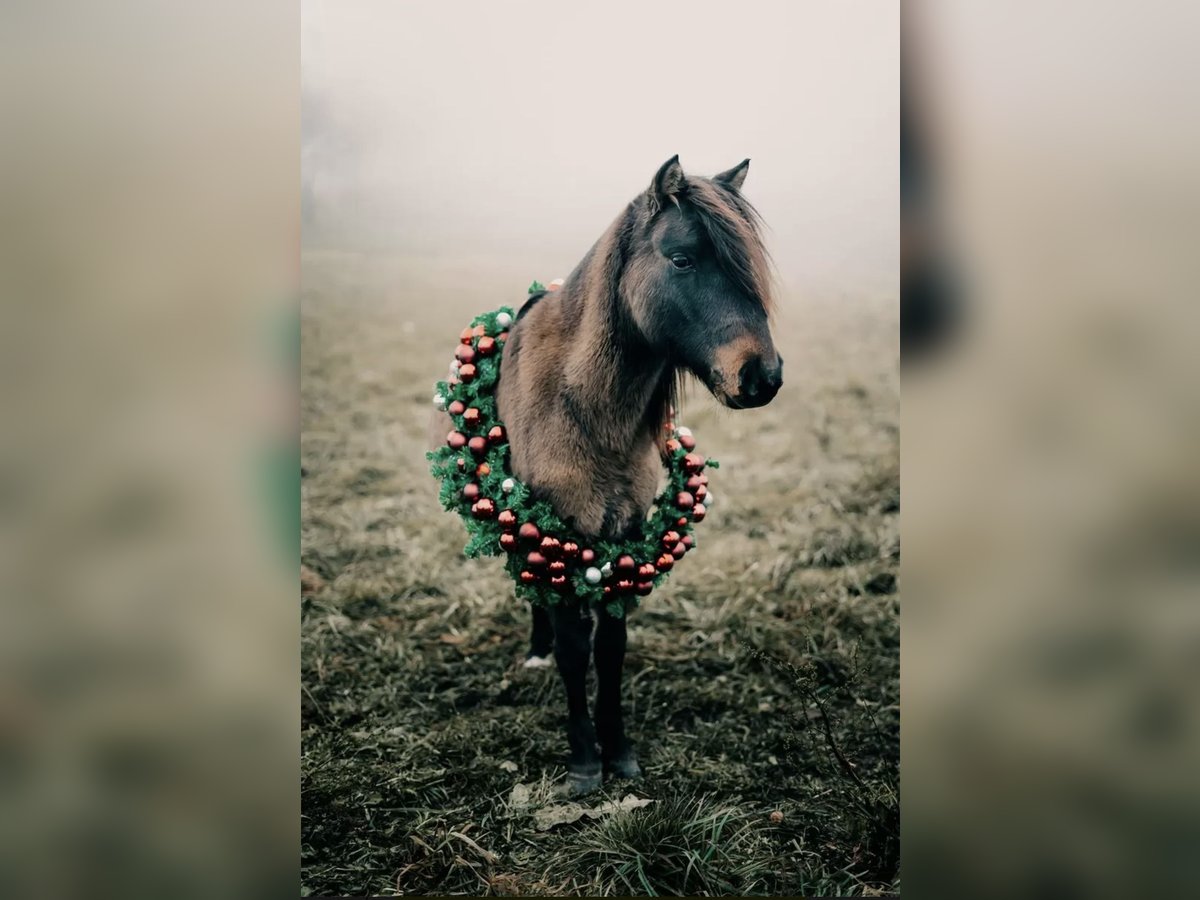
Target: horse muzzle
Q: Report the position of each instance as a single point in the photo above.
(753, 381)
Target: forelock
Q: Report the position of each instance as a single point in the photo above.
(733, 227)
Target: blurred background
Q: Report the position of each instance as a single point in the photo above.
(1052, 630)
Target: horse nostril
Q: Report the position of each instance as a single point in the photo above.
(750, 378)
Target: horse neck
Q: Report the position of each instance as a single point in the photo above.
(613, 380)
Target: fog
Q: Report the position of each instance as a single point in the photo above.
(517, 132)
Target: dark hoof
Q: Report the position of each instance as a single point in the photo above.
(625, 767)
(582, 781)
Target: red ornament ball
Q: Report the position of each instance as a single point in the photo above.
(471, 417)
(478, 445)
(704, 479)
(646, 570)
(478, 331)
(693, 462)
(535, 559)
(507, 519)
(626, 564)
(670, 539)
(688, 542)
(529, 532)
(625, 585)
(587, 556)
(682, 521)
(508, 540)
(607, 590)
(456, 408)
(683, 499)
(528, 577)
(701, 493)
(486, 346)
(695, 482)
(496, 435)
(558, 566)
(465, 353)
(570, 549)
(644, 588)
(698, 513)
(462, 464)
(467, 373)
(502, 336)
(470, 492)
(465, 337)
(672, 445)
(551, 545)
(456, 439)
(678, 550)
(483, 469)
(483, 508)
(689, 442)
(558, 581)
(665, 562)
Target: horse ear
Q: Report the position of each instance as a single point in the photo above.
(735, 177)
(668, 182)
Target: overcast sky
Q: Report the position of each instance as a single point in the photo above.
(522, 128)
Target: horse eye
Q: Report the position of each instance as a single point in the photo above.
(680, 261)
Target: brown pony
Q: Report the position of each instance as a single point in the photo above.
(679, 283)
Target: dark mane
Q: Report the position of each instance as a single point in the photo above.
(733, 226)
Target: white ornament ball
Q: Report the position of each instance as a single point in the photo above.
(683, 432)
(606, 569)
(507, 485)
(708, 500)
(503, 320)
(592, 575)
(439, 401)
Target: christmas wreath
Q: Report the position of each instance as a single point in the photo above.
(546, 557)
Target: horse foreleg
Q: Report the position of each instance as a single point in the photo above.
(572, 652)
(618, 755)
(541, 641)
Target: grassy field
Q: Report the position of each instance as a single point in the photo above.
(762, 683)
